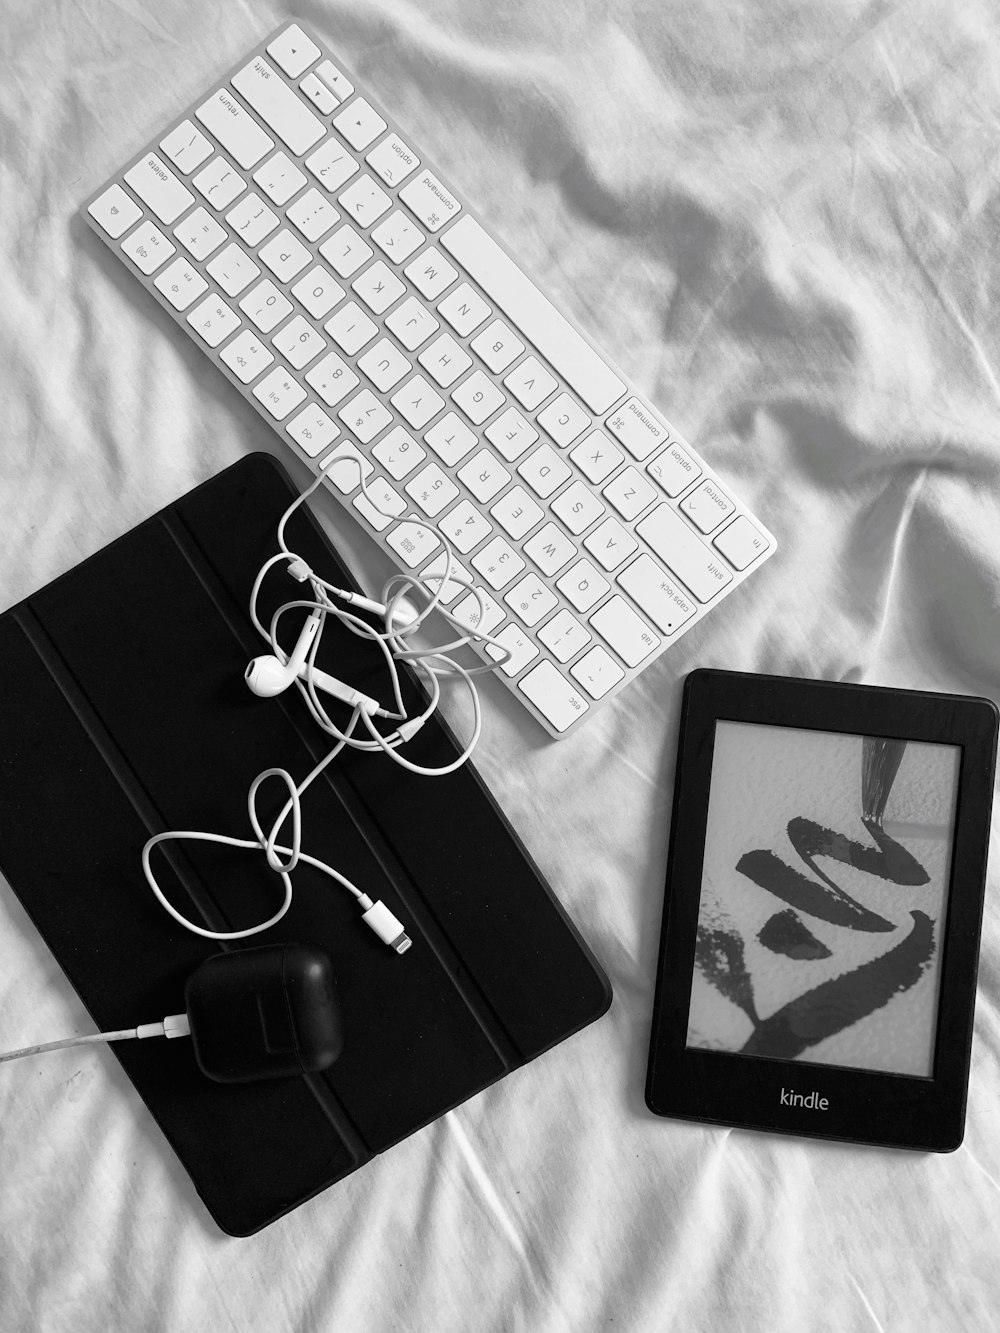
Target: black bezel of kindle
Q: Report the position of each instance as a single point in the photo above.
(731, 1088)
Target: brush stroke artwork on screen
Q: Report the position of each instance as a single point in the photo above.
(823, 898)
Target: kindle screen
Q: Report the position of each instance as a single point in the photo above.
(823, 898)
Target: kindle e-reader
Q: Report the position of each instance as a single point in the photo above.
(825, 881)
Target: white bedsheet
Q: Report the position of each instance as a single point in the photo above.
(781, 219)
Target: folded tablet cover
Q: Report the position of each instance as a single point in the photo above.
(123, 713)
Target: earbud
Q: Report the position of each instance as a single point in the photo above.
(268, 675)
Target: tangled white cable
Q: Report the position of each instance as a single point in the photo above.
(271, 674)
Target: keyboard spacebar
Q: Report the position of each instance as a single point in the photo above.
(535, 317)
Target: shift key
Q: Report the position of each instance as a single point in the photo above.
(281, 110)
(684, 553)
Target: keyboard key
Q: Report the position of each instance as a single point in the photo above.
(180, 283)
(630, 493)
(431, 274)
(360, 124)
(530, 383)
(266, 306)
(279, 178)
(364, 201)
(115, 211)
(741, 543)
(550, 549)
(331, 164)
(597, 672)
(279, 393)
(293, 51)
(284, 255)
(398, 452)
(531, 599)
(445, 359)
(345, 466)
(510, 434)
(417, 402)
(312, 430)
(517, 514)
(246, 356)
(237, 131)
(392, 160)
(597, 457)
(397, 237)
(458, 579)
(412, 323)
(478, 397)
(200, 234)
(432, 489)
(465, 527)
(578, 507)
(412, 542)
(518, 644)
(563, 420)
(213, 320)
(683, 553)
(536, 318)
(451, 439)
(319, 94)
(553, 696)
(338, 83)
(464, 309)
(626, 632)
(583, 585)
(220, 183)
(673, 469)
(636, 427)
(482, 618)
(429, 201)
(564, 636)
(656, 593)
(707, 505)
(610, 544)
(350, 328)
(159, 189)
(385, 365)
(318, 292)
(186, 147)
(484, 476)
(148, 248)
(298, 342)
(379, 504)
(365, 416)
(252, 219)
(332, 379)
(233, 269)
(278, 107)
(497, 346)
(378, 287)
(498, 563)
(544, 471)
(346, 251)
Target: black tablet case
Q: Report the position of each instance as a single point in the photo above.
(124, 713)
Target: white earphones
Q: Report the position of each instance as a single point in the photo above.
(274, 672)
(268, 675)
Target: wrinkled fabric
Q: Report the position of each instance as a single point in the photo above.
(781, 221)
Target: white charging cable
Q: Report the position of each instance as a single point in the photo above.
(176, 1025)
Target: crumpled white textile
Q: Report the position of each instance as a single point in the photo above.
(781, 221)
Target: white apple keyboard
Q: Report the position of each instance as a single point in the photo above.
(306, 244)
